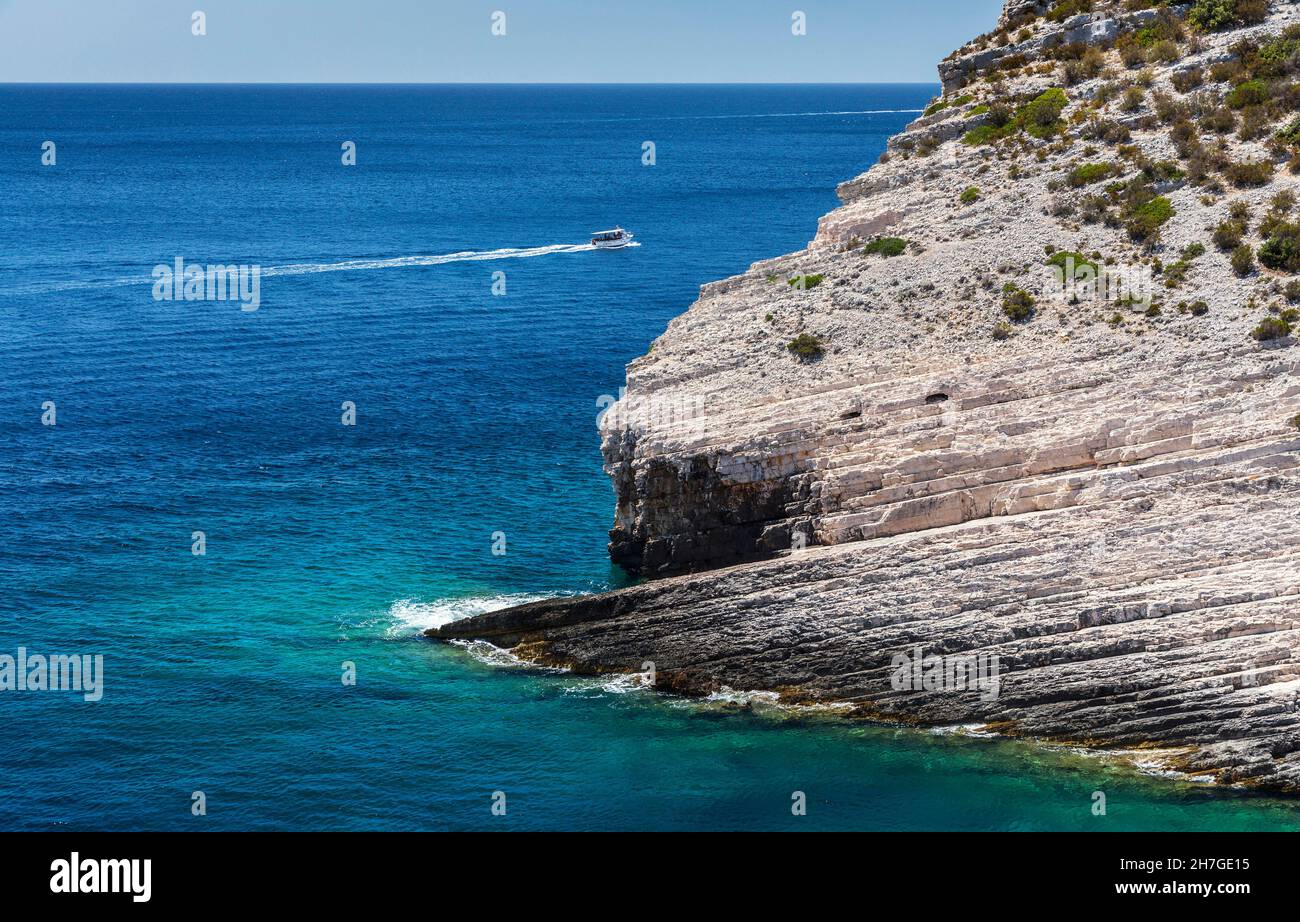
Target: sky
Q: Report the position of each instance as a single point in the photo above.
(452, 41)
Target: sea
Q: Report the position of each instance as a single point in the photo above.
(249, 508)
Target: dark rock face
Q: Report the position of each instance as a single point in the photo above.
(672, 520)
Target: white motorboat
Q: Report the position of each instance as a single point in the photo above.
(611, 239)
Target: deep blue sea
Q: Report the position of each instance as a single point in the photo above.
(475, 415)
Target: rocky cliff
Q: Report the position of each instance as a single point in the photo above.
(1029, 397)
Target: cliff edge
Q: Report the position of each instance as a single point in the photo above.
(1029, 398)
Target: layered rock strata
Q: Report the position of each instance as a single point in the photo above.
(1101, 493)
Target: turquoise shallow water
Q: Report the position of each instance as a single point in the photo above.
(476, 414)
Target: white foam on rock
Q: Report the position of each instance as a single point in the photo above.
(411, 616)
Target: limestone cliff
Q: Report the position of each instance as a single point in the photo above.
(1030, 392)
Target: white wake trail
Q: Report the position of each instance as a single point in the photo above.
(748, 115)
(403, 262)
(347, 265)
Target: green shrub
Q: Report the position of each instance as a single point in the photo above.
(1165, 51)
(1250, 93)
(995, 127)
(1064, 9)
(1271, 328)
(1229, 70)
(1165, 27)
(1041, 118)
(1082, 265)
(982, 134)
(1088, 173)
(1274, 57)
(1213, 15)
(1185, 81)
(807, 347)
(885, 246)
(940, 104)
(1243, 260)
(970, 196)
(1228, 235)
(1017, 303)
(1132, 55)
(1147, 218)
(1176, 273)
(806, 282)
(1162, 171)
(1220, 120)
(1199, 309)
(1250, 172)
(1291, 133)
(1105, 130)
(1281, 251)
(1272, 223)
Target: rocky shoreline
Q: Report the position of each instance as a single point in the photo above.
(921, 439)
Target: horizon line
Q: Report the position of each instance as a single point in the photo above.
(4, 83)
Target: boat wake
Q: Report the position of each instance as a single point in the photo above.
(404, 262)
(741, 115)
(798, 114)
(346, 265)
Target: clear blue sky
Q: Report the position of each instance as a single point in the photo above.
(445, 41)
